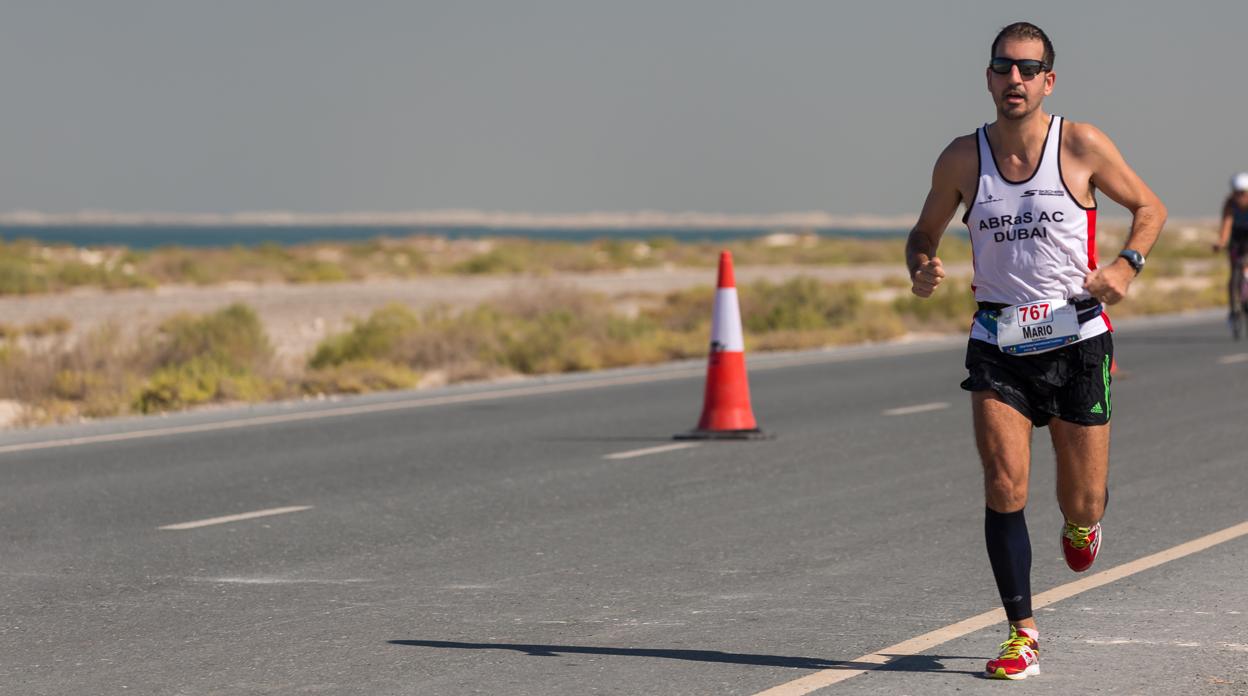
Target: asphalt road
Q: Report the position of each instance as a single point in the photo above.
(483, 540)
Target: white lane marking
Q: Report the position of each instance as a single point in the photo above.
(651, 450)
(1233, 358)
(927, 641)
(917, 408)
(235, 518)
(268, 580)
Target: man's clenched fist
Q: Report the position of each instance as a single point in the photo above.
(927, 277)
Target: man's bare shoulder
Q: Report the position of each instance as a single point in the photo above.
(962, 147)
(959, 156)
(1085, 140)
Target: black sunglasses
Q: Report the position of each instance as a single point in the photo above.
(1027, 68)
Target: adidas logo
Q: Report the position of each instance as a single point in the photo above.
(1097, 408)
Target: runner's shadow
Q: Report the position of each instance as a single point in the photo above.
(656, 439)
(901, 663)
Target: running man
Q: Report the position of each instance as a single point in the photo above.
(1233, 236)
(1040, 347)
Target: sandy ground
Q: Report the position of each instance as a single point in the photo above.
(297, 317)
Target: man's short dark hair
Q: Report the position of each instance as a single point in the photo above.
(1025, 31)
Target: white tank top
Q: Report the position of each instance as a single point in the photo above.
(1030, 239)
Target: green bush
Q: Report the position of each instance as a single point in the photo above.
(799, 304)
(232, 337)
(198, 381)
(493, 261)
(374, 338)
(20, 277)
(952, 304)
(315, 272)
(199, 359)
(684, 311)
(358, 377)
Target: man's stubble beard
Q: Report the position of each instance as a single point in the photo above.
(1015, 116)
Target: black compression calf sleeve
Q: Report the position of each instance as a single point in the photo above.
(1009, 551)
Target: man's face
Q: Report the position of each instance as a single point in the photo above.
(1017, 96)
(1241, 199)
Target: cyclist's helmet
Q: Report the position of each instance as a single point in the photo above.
(1239, 182)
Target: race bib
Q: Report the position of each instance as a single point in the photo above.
(1035, 327)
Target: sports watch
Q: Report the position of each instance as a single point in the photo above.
(1134, 258)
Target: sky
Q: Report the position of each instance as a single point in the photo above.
(574, 106)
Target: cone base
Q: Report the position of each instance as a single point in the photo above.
(751, 434)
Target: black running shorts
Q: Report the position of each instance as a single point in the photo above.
(1070, 383)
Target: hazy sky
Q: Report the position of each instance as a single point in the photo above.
(529, 105)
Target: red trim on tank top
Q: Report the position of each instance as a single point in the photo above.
(1091, 237)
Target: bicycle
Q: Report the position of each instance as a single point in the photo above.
(1237, 292)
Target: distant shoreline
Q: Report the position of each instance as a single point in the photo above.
(643, 219)
(151, 236)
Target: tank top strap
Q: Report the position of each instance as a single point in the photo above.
(987, 164)
(1052, 146)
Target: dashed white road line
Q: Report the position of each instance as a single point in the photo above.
(1233, 358)
(236, 518)
(917, 408)
(927, 641)
(274, 580)
(651, 450)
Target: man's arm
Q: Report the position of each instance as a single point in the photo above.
(1224, 230)
(926, 270)
(1111, 174)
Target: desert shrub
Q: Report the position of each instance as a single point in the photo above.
(315, 272)
(20, 277)
(223, 356)
(798, 304)
(199, 380)
(496, 260)
(177, 265)
(232, 337)
(358, 377)
(47, 326)
(952, 305)
(374, 338)
(684, 311)
(1147, 297)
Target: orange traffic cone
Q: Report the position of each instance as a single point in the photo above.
(726, 412)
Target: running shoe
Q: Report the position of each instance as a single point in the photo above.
(1080, 545)
(1019, 657)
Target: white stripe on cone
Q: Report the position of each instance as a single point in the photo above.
(726, 335)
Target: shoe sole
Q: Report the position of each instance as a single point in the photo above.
(1031, 671)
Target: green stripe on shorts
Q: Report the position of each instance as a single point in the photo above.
(1109, 409)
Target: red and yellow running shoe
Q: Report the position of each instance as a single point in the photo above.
(1019, 657)
(1080, 545)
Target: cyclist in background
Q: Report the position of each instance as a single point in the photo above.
(1233, 236)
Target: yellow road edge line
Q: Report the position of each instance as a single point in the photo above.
(913, 646)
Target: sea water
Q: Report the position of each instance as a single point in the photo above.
(152, 236)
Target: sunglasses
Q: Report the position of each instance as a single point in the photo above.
(1027, 68)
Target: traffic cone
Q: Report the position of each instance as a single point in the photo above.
(726, 412)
